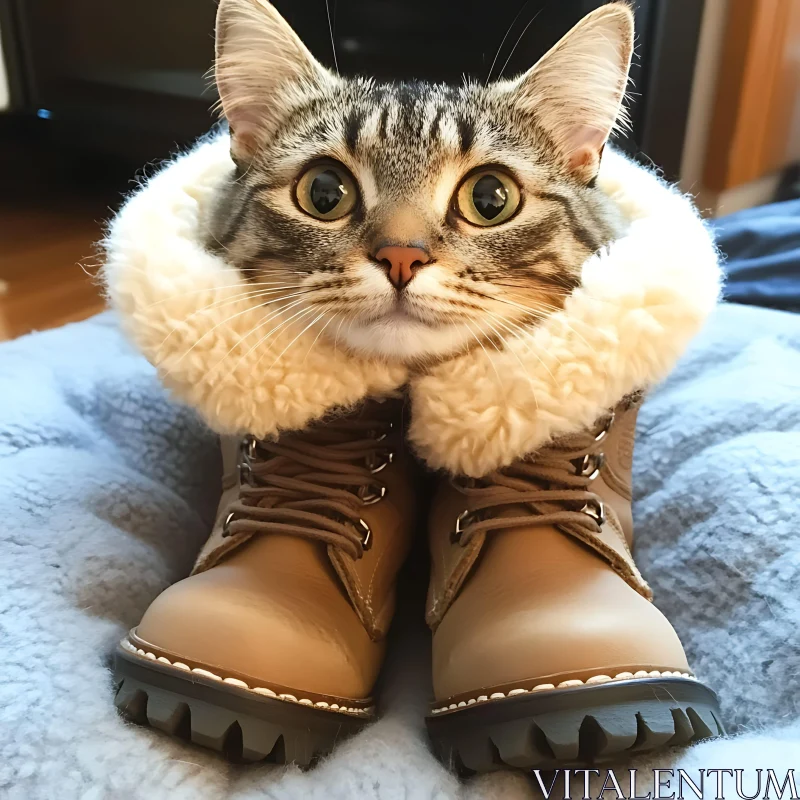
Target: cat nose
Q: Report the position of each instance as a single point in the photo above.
(401, 263)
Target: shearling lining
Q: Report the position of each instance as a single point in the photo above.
(195, 317)
(640, 302)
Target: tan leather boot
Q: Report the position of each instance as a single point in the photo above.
(271, 648)
(547, 650)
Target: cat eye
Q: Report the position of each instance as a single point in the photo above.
(326, 191)
(488, 197)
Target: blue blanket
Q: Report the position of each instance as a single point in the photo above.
(762, 250)
(107, 490)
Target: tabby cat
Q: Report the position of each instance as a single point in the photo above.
(411, 221)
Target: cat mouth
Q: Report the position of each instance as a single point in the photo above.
(403, 313)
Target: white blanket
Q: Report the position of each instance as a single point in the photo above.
(107, 490)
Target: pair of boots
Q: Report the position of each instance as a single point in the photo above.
(546, 648)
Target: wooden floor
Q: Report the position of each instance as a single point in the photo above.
(52, 207)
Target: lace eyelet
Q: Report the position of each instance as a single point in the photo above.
(378, 460)
(366, 538)
(226, 526)
(381, 436)
(248, 446)
(247, 452)
(589, 466)
(463, 520)
(371, 493)
(596, 510)
(605, 429)
(245, 472)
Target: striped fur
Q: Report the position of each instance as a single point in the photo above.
(409, 147)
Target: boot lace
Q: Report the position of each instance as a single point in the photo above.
(552, 485)
(313, 484)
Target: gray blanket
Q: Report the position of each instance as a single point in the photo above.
(107, 490)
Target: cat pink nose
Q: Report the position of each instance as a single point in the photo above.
(401, 263)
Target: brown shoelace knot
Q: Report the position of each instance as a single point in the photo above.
(549, 488)
(313, 484)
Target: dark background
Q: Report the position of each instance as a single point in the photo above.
(130, 78)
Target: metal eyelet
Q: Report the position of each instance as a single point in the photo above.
(606, 428)
(379, 437)
(379, 459)
(371, 493)
(245, 472)
(589, 466)
(226, 526)
(463, 520)
(366, 537)
(596, 510)
(248, 446)
(247, 452)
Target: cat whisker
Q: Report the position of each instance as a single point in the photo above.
(516, 44)
(565, 294)
(510, 27)
(247, 335)
(528, 309)
(300, 314)
(208, 230)
(521, 332)
(488, 358)
(565, 322)
(330, 27)
(197, 341)
(234, 270)
(288, 346)
(509, 349)
(228, 301)
(319, 333)
(525, 369)
(266, 336)
(338, 331)
(245, 293)
(223, 322)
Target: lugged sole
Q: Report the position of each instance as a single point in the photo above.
(576, 727)
(232, 721)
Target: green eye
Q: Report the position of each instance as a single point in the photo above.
(326, 192)
(488, 198)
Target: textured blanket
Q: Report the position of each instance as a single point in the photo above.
(107, 490)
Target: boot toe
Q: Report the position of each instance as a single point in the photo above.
(303, 637)
(573, 631)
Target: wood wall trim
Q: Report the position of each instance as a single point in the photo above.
(756, 123)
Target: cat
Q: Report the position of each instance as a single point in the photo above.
(413, 221)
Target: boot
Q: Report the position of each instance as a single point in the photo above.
(271, 648)
(547, 650)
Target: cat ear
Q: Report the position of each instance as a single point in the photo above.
(259, 60)
(576, 89)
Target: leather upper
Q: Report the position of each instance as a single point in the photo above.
(288, 611)
(537, 604)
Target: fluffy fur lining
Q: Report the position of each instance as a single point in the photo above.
(189, 313)
(640, 302)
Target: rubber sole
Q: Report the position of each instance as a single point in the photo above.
(575, 727)
(242, 726)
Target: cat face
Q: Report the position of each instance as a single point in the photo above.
(412, 221)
